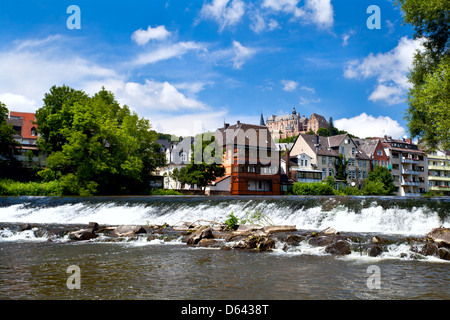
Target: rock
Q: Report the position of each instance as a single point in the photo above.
(127, 231)
(209, 243)
(204, 232)
(294, 240)
(440, 235)
(93, 225)
(379, 240)
(321, 241)
(267, 244)
(375, 250)
(184, 226)
(272, 229)
(25, 227)
(429, 249)
(444, 253)
(340, 247)
(82, 234)
(329, 231)
(248, 227)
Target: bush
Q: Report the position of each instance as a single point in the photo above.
(372, 188)
(164, 192)
(232, 222)
(317, 189)
(15, 188)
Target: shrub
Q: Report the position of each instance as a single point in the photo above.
(165, 192)
(232, 222)
(318, 189)
(374, 188)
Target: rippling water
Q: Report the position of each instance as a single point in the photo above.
(31, 267)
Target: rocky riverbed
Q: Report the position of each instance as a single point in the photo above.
(250, 237)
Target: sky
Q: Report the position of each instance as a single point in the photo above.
(189, 66)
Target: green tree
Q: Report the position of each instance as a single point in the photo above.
(6, 133)
(379, 181)
(210, 168)
(428, 97)
(102, 148)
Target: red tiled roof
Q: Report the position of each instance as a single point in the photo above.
(29, 120)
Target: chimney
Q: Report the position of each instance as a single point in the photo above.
(226, 125)
(238, 122)
(317, 139)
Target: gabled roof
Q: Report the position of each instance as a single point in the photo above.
(247, 134)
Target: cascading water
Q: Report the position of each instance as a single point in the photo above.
(350, 214)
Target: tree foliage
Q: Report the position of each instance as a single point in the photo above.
(94, 144)
(206, 163)
(379, 182)
(428, 98)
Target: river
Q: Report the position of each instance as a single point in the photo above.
(34, 263)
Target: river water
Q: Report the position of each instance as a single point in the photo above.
(34, 263)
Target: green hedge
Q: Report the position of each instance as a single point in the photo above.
(15, 188)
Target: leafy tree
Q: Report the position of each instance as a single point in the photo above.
(428, 98)
(97, 146)
(380, 176)
(6, 133)
(209, 169)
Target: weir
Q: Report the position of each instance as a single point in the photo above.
(385, 215)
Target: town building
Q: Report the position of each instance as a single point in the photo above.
(322, 155)
(251, 161)
(374, 149)
(293, 124)
(26, 134)
(409, 166)
(439, 172)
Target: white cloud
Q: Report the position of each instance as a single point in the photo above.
(312, 90)
(30, 68)
(237, 55)
(289, 85)
(166, 52)
(390, 69)
(318, 12)
(346, 37)
(142, 37)
(226, 13)
(258, 23)
(365, 125)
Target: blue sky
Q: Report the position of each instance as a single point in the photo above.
(189, 65)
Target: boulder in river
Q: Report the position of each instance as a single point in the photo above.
(127, 231)
(82, 234)
(340, 247)
(441, 236)
(204, 232)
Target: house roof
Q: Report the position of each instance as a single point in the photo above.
(29, 120)
(247, 134)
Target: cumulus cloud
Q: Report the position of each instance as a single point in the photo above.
(235, 56)
(318, 12)
(142, 37)
(390, 70)
(226, 13)
(289, 85)
(364, 125)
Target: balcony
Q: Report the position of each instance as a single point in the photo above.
(439, 188)
(410, 183)
(445, 168)
(410, 160)
(408, 171)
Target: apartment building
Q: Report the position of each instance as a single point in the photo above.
(324, 152)
(409, 166)
(439, 172)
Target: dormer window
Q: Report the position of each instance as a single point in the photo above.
(33, 132)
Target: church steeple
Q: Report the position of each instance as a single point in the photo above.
(293, 111)
(261, 121)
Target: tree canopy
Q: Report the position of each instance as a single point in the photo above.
(94, 144)
(428, 98)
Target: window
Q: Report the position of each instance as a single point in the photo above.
(342, 150)
(33, 132)
(324, 172)
(330, 161)
(330, 172)
(351, 162)
(324, 160)
(353, 150)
